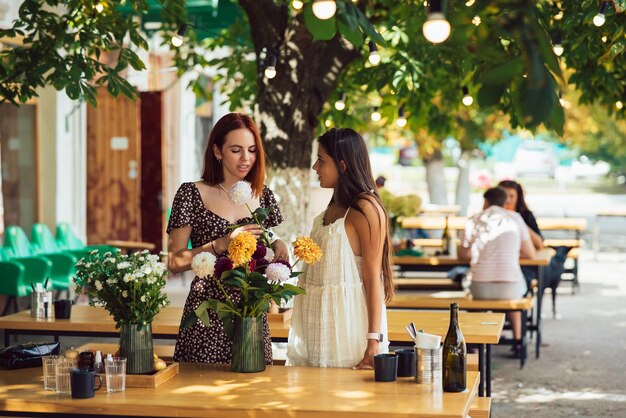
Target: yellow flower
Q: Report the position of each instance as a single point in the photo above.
(306, 249)
(241, 248)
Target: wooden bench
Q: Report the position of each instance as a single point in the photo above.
(426, 283)
(480, 408)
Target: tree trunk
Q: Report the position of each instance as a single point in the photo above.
(291, 186)
(435, 179)
(462, 183)
(288, 106)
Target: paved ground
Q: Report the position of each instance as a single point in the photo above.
(581, 369)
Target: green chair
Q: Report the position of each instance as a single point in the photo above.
(16, 245)
(67, 240)
(16, 276)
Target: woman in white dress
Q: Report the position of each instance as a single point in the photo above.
(341, 321)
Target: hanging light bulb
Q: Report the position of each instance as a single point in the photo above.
(340, 104)
(375, 116)
(467, 99)
(470, 3)
(604, 39)
(270, 70)
(401, 121)
(619, 105)
(558, 48)
(374, 57)
(324, 9)
(177, 40)
(99, 7)
(436, 29)
(297, 4)
(328, 123)
(600, 18)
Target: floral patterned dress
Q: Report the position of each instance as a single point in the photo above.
(202, 344)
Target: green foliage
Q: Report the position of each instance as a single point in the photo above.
(129, 287)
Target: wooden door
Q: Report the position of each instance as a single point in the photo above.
(152, 170)
(113, 170)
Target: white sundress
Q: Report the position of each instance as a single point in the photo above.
(329, 323)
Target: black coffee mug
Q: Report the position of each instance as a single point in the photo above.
(83, 383)
(406, 362)
(385, 367)
(62, 308)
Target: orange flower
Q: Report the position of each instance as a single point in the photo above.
(241, 248)
(306, 249)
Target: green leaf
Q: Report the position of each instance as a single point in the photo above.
(322, 30)
(536, 102)
(295, 289)
(351, 32)
(490, 95)
(189, 320)
(557, 119)
(367, 27)
(503, 73)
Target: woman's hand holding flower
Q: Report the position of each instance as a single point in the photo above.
(281, 252)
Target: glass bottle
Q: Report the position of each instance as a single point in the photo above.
(454, 355)
(445, 239)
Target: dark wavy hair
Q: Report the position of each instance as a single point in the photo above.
(213, 172)
(357, 183)
(520, 206)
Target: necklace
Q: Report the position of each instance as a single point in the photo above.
(222, 187)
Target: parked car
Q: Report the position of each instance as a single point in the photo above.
(535, 158)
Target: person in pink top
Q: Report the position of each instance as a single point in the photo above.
(493, 242)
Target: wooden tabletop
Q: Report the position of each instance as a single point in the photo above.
(612, 212)
(95, 320)
(542, 258)
(442, 300)
(458, 223)
(213, 390)
(131, 245)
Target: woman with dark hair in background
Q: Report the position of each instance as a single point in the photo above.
(552, 273)
(203, 212)
(341, 321)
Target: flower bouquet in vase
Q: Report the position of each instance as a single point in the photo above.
(249, 268)
(130, 288)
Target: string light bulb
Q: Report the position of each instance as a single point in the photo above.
(99, 7)
(375, 116)
(558, 48)
(401, 121)
(340, 104)
(270, 70)
(619, 105)
(436, 29)
(600, 18)
(297, 4)
(467, 100)
(324, 9)
(177, 39)
(374, 57)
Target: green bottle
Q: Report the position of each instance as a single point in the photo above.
(454, 355)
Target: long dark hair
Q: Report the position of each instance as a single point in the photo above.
(213, 172)
(520, 206)
(357, 183)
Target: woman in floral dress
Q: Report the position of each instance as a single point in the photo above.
(203, 213)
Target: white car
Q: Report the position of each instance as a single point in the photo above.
(535, 157)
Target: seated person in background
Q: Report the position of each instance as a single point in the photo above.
(493, 241)
(552, 273)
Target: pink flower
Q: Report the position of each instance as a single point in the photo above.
(285, 262)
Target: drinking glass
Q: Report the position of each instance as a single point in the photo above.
(115, 369)
(63, 368)
(49, 371)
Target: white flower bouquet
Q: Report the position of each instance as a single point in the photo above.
(130, 287)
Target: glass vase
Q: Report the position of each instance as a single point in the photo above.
(136, 346)
(248, 345)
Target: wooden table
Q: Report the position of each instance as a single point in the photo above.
(96, 322)
(202, 390)
(131, 246)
